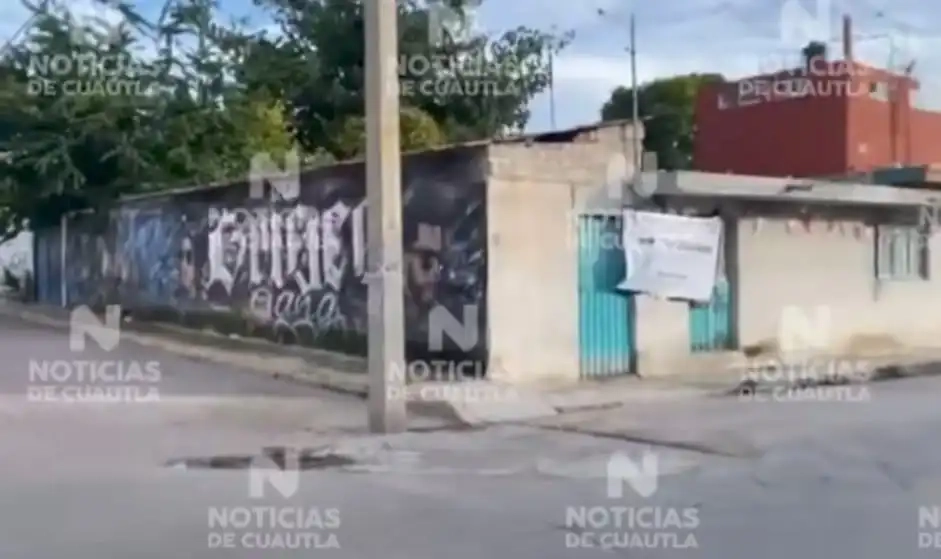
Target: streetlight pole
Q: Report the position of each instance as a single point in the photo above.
(635, 104)
(386, 338)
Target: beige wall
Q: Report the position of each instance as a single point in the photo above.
(784, 265)
(533, 195)
(532, 296)
(781, 265)
(663, 337)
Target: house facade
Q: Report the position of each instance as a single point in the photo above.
(827, 117)
(863, 257)
(528, 234)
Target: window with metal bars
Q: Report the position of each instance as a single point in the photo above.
(901, 253)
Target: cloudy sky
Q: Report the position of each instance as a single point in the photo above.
(732, 37)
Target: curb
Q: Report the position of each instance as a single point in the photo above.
(290, 367)
(294, 368)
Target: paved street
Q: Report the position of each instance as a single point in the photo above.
(775, 480)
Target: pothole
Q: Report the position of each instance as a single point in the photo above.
(283, 457)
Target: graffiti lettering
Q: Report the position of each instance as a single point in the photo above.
(295, 261)
(299, 244)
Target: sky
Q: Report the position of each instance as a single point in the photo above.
(733, 37)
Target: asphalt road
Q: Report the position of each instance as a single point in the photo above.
(86, 480)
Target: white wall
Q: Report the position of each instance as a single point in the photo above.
(16, 255)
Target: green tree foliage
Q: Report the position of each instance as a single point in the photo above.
(667, 109)
(75, 140)
(418, 131)
(195, 99)
(477, 87)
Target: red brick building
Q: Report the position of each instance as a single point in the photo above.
(830, 117)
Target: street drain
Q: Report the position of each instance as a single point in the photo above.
(284, 458)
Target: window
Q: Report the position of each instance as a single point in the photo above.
(879, 91)
(901, 253)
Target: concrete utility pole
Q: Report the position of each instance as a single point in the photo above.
(384, 225)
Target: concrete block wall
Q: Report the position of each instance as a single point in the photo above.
(535, 193)
(779, 264)
(832, 267)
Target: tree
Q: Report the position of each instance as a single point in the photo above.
(77, 138)
(417, 131)
(476, 87)
(667, 109)
(215, 95)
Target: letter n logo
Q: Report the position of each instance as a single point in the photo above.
(264, 471)
(798, 330)
(462, 332)
(285, 181)
(83, 322)
(642, 478)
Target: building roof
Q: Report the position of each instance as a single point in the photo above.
(775, 189)
(552, 136)
(910, 176)
(919, 175)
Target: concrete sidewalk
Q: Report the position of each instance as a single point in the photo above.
(470, 403)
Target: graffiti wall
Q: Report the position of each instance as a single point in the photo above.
(48, 259)
(289, 268)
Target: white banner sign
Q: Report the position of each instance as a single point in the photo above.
(671, 256)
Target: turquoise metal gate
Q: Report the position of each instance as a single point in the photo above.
(606, 315)
(710, 324)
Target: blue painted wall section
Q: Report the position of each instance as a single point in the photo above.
(151, 243)
(292, 269)
(48, 265)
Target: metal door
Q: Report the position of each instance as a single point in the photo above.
(606, 317)
(710, 324)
